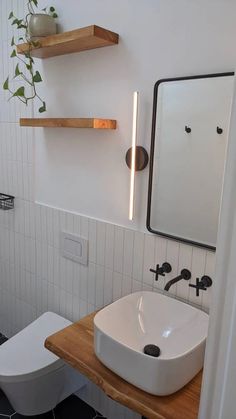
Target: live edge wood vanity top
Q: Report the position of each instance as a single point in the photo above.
(74, 345)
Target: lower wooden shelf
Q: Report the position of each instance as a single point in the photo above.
(94, 123)
(75, 346)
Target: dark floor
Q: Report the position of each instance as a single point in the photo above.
(71, 408)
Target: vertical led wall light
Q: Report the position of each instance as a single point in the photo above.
(133, 154)
(136, 156)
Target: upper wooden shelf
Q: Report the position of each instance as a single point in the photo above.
(73, 41)
(95, 123)
(75, 346)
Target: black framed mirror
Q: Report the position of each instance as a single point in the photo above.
(188, 149)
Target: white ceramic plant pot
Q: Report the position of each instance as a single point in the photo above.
(41, 25)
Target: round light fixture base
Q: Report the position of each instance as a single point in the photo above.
(141, 158)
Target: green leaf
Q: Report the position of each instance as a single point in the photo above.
(54, 15)
(13, 54)
(20, 92)
(6, 84)
(29, 66)
(17, 71)
(11, 15)
(19, 23)
(37, 77)
(35, 2)
(13, 41)
(43, 108)
(15, 22)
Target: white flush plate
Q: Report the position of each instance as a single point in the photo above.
(74, 247)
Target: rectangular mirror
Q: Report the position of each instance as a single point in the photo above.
(188, 149)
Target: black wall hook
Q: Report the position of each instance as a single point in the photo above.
(188, 129)
(219, 130)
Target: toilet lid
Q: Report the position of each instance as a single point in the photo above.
(24, 356)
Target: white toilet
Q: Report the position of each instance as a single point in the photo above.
(34, 379)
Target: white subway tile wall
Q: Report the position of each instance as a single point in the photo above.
(34, 277)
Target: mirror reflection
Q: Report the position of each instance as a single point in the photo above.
(188, 151)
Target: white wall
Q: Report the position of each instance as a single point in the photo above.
(75, 168)
(186, 37)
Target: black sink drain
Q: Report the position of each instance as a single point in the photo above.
(152, 350)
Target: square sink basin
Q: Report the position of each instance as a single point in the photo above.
(177, 330)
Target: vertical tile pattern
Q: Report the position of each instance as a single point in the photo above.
(34, 277)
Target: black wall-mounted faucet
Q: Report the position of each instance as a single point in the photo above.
(203, 284)
(161, 270)
(184, 274)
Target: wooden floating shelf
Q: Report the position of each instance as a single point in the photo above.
(94, 123)
(70, 42)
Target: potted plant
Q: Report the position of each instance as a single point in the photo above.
(41, 24)
(31, 29)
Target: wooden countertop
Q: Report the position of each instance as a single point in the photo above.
(74, 344)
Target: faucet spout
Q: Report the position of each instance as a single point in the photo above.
(184, 274)
(172, 282)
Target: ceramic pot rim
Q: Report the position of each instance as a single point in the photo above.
(41, 14)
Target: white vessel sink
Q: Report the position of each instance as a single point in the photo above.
(125, 327)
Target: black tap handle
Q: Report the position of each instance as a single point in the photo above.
(205, 283)
(198, 286)
(156, 272)
(167, 268)
(161, 270)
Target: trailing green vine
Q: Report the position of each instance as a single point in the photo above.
(24, 69)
